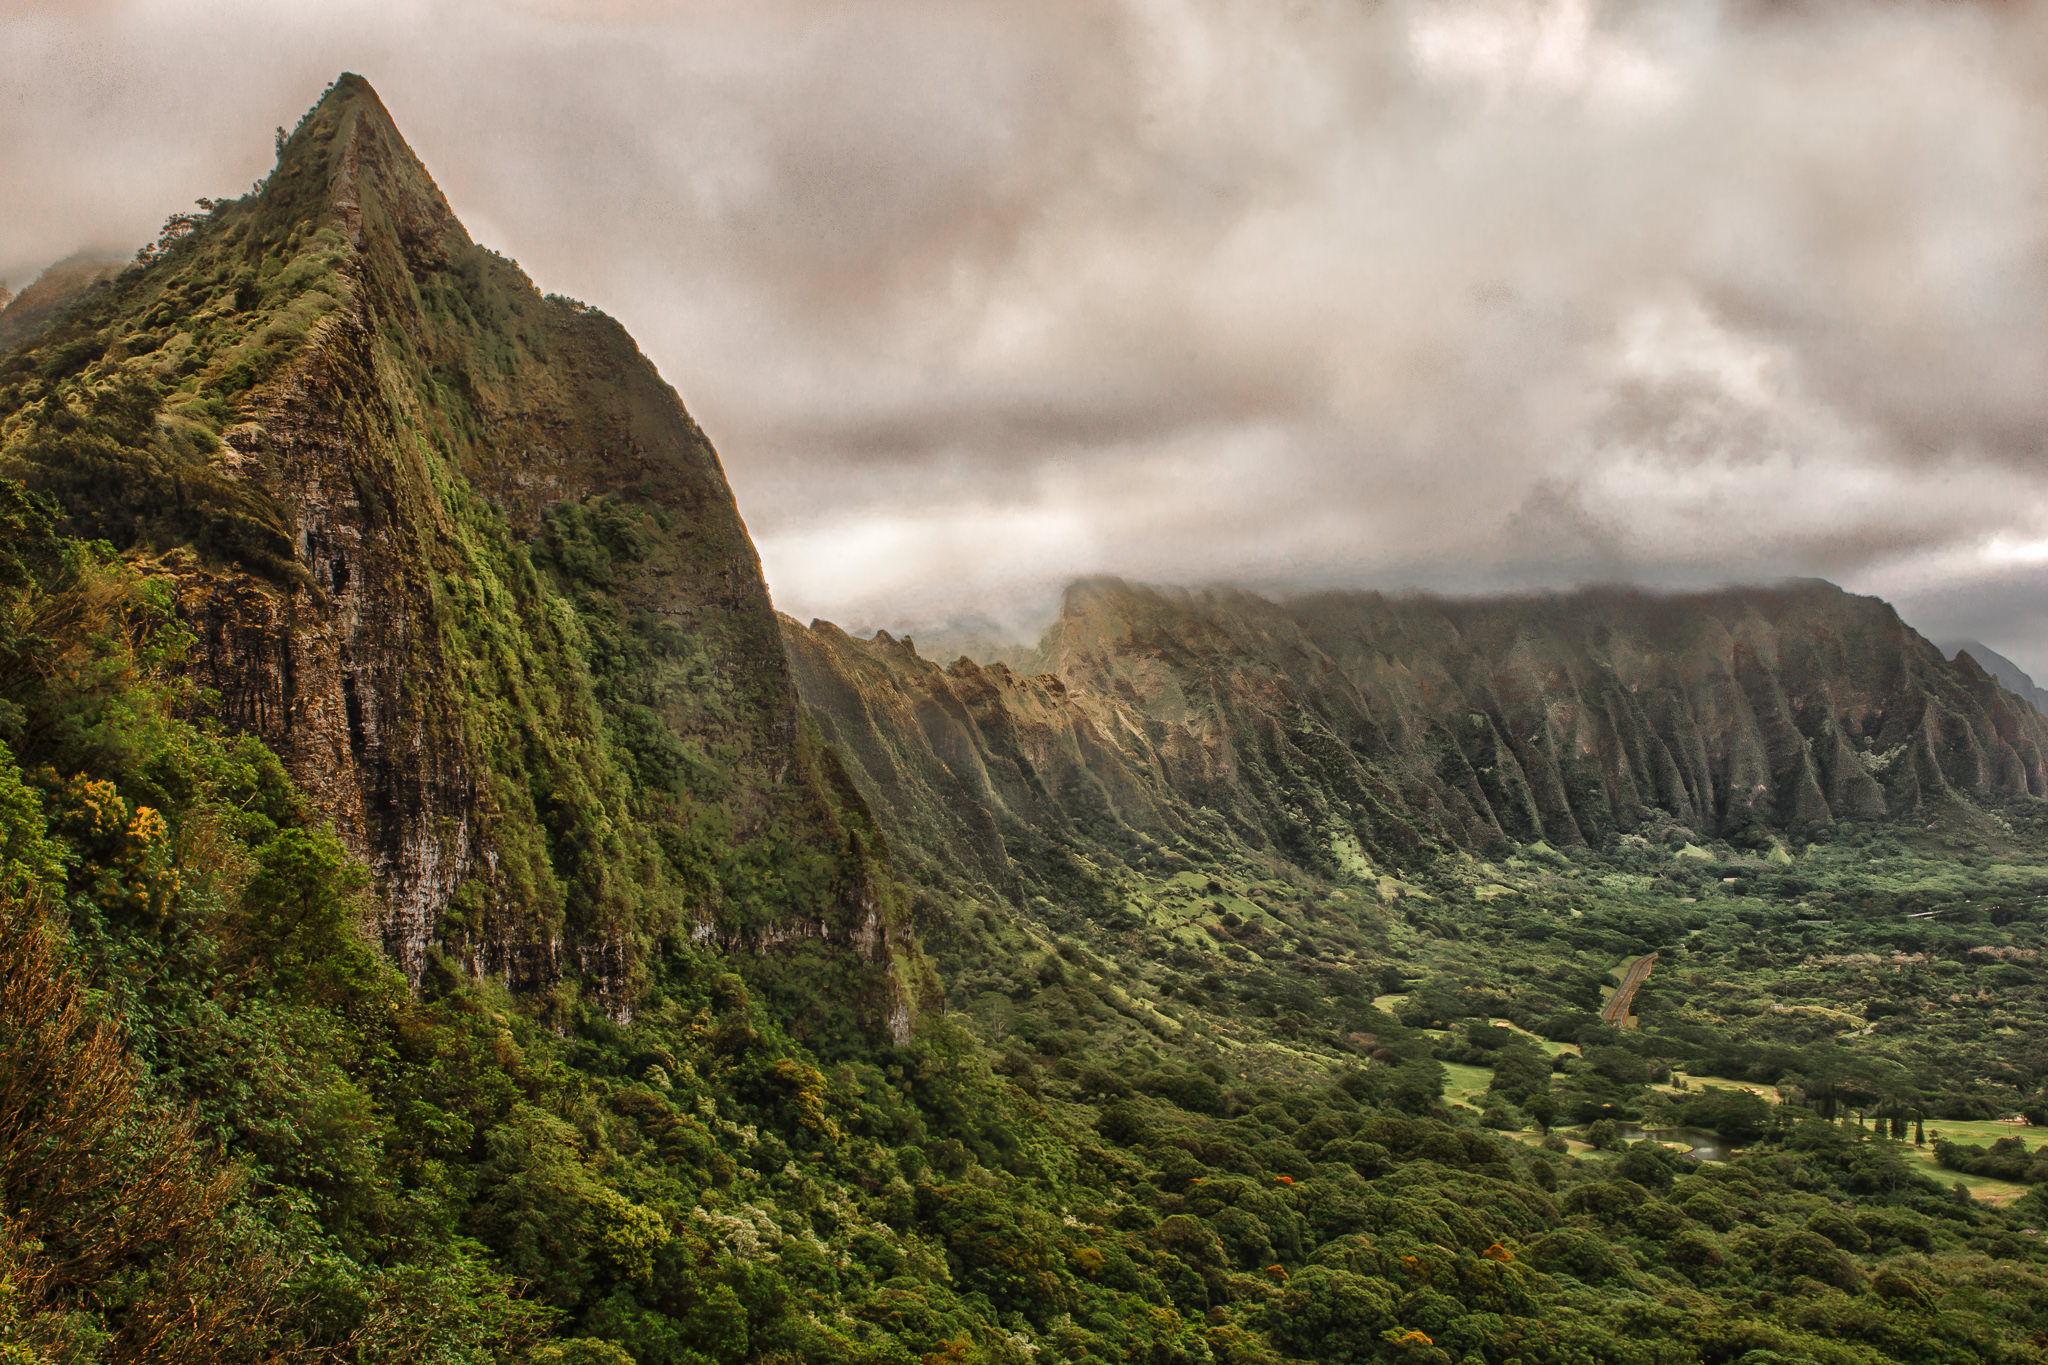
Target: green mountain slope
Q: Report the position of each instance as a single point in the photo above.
(458, 554)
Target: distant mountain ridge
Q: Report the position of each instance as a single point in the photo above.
(45, 299)
(2010, 675)
(1353, 733)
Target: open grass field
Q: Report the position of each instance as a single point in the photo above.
(1463, 1085)
(1980, 1186)
(1984, 1132)
(1981, 1133)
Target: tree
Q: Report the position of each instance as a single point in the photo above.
(1520, 1072)
(1739, 1117)
(294, 910)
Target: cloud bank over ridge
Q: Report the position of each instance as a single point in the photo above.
(975, 298)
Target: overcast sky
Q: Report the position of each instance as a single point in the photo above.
(976, 297)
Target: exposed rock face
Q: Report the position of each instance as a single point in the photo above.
(1402, 726)
(510, 629)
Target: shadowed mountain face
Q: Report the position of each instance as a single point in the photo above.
(1346, 729)
(462, 558)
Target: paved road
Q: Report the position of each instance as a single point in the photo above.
(1638, 972)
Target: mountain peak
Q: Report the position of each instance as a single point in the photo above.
(347, 154)
(2009, 674)
(349, 86)
(348, 103)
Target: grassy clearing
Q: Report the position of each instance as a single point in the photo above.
(1465, 1084)
(1982, 1187)
(1980, 1133)
(1984, 1132)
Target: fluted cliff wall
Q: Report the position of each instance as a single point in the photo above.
(1332, 726)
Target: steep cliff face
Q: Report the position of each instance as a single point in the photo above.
(458, 553)
(1736, 714)
(1345, 726)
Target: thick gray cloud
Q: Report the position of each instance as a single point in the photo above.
(976, 297)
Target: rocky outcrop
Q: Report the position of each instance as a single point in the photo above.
(1343, 726)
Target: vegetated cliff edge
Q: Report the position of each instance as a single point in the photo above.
(464, 560)
(1346, 731)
